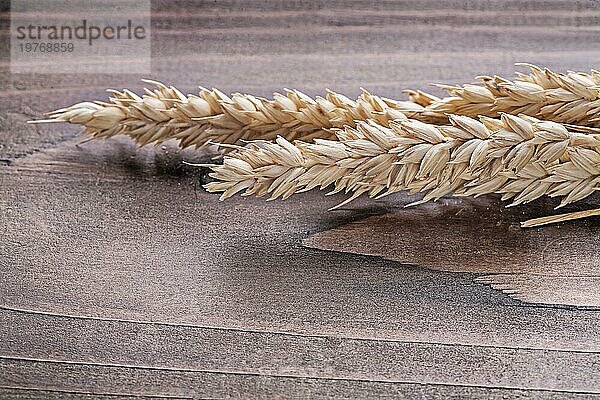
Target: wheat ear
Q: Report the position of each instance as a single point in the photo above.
(165, 113)
(572, 98)
(520, 157)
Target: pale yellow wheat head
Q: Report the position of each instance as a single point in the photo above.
(571, 98)
(165, 113)
(521, 158)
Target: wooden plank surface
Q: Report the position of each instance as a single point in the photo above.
(120, 277)
(552, 265)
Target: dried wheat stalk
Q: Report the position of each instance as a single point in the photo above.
(165, 113)
(572, 98)
(520, 157)
(382, 166)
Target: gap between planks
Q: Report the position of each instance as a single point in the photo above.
(289, 333)
(291, 376)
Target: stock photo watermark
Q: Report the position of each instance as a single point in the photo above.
(77, 36)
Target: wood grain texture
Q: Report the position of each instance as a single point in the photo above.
(135, 382)
(120, 278)
(226, 351)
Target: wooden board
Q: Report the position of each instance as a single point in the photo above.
(557, 264)
(121, 278)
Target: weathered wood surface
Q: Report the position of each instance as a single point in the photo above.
(121, 278)
(558, 264)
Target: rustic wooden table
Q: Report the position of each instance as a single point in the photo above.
(120, 277)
